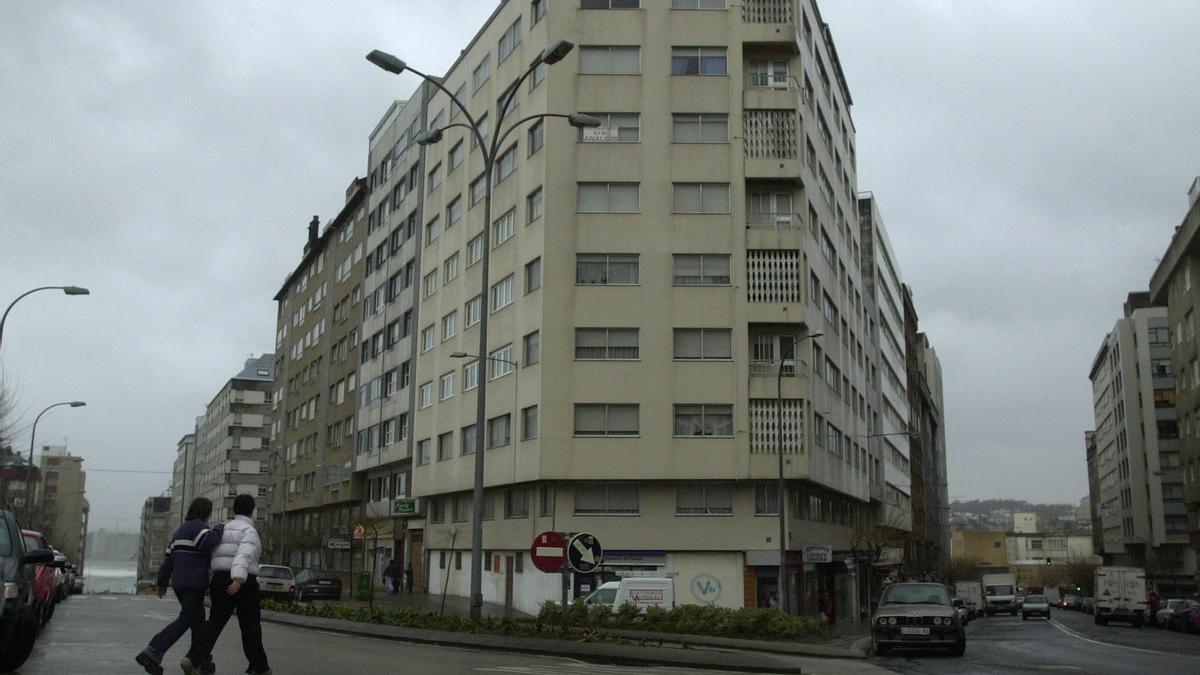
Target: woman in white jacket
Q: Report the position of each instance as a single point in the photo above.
(233, 589)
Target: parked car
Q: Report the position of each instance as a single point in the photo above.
(43, 577)
(19, 618)
(963, 614)
(642, 592)
(62, 576)
(318, 584)
(1168, 608)
(1183, 615)
(277, 582)
(917, 615)
(77, 580)
(1035, 605)
(972, 610)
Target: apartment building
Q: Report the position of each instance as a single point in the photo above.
(232, 456)
(687, 247)
(1141, 501)
(157, 524)
(386, 365)
(1172, 285)
(313, 429)
(891, 428)
(61, 511)
(183, 473)
(17, 476)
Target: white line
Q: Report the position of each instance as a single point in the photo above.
(1068, 631)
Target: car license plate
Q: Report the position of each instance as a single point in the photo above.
(914, 630)
(325, 583)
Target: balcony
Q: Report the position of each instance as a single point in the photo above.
(770, 22)
(774, 220)
(771, 144)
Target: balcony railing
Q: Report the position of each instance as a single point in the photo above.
(764, 368)
(770, 134)
(774, 220)
(767, 11)
(761, 80)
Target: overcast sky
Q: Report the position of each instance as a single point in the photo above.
(1030, 160)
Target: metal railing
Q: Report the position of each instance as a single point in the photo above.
(770, 368)
(771, 220)
(767, 11)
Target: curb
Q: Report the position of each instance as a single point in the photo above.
(855, 651)
(595, 652)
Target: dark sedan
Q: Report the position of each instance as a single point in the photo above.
(1186, 617)
(917, 615)
(318, 585)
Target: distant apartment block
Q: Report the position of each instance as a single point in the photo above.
(157, 524)
(61, 511)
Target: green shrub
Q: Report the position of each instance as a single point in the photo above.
(599, 615)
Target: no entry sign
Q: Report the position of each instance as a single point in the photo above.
(549, 552)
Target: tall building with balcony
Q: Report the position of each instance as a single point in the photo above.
(61, 509)
(928, 547)
(232, 454)
(1172, 285)
(1140, 498)
(313, 429)
(383, 459)
(157, 524)
(183, 473)
(649, 281)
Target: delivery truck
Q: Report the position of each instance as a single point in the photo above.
(1000, 594)
(1121, 595)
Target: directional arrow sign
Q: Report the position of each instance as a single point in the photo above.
(548, 552)
(584, 553)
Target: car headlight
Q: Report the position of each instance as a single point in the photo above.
(891, 620)
(883, 621)
(937, 621)
(11, 591)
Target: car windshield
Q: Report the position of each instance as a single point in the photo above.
(1003, 589)
(604, 596)
(1035, 599)
(271, 572)
(915, 594)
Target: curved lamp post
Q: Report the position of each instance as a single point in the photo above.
(32, 436)
(68, 290)
(785, 596)
(549, 56)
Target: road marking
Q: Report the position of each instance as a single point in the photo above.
(1068, 631)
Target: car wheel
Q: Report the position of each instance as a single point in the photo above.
(20, 642)
(880, 650)
(959, 649)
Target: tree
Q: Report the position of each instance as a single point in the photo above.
(9, 418)
(963, 569)
(1080, 573)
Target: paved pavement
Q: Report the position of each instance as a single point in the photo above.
(99, 634)
(1069, 643)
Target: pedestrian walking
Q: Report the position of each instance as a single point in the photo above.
(233, 589)
(185, 569)
(392, 573)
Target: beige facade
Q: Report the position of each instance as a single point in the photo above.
(646, 280)
(183, 474)
(157, 525)
(61, 511)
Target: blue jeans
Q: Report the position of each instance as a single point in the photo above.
(191, 617)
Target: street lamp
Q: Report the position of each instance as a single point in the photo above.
(68, 290)
(32, 436)
(549, 56)
(785, 596)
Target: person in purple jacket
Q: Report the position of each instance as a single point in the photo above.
(185, 568)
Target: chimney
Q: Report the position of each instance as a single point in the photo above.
(312, 233)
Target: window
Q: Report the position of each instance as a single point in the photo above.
(509, 41)
(701, 269)
(606, 419)
(703, 420)
(536, 136)
(423, 451)
(445, 446)
(610, 4)
(457, 154)
(473, 310)
(506, 164)
(498, 434)
(546, 500)
(470, 440)
(769, 73)
(435, 177)
(698, 4)
(489, 506)
(610, 60)
(504, 228)
(529, 423)
(502, 293)
(538, 75)
(608, 198)
(425, 395)
(433, 230)
(474, 250)
(460, 512)
(500, 362)
(698, 61)
(454, 211)
(700, 128)
(703, 344)
(429, 284)
(533, 275)
(704, 500)
(537, 9)
(516, 503)
(532, 349)
(450, 269)
(701, 198)
(428, 338)
(766, 499)
(606, 499)
(478, 189)
(606, 268)
(606, 343)
(481, 74)
(533, 206)
(471, 375)
(614, 128)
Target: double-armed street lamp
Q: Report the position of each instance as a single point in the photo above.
(32, 437)
(549, 56)
(68, 290)
(784, 594)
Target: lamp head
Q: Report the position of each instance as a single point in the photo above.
(582, 121)
(78, 404)
(429, 137)
(557, 51)
(815, 335)
(459, 355)
(386, 61)
(76, 290)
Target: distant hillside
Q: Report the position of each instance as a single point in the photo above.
(989, 505)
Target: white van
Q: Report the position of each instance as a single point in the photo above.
(1121, 595)
(642, 592)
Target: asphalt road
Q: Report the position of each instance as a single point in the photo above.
(100, 634)
(1069, 643)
